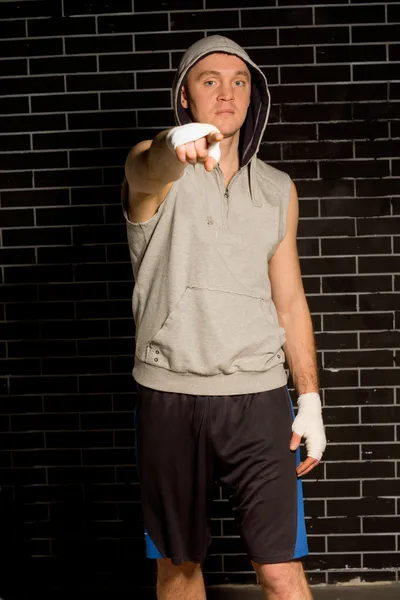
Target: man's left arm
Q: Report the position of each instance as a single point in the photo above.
(294, 316)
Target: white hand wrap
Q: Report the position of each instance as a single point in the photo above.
(309, 424)
(190, 133)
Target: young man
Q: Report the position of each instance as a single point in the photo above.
(218, 305)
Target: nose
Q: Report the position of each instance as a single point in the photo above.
(225, 92)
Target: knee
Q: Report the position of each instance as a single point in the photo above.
(166, 570)
(281, 579)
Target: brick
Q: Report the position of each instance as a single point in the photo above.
(13, 67)
(327, 340)
(332, 561)
(272, 17)
(370, 130)
(379, 301)
(364, 245)
(380, 339)
(349, 14)
(65, 64)
(331, 303)
(355, 207)
(375, 264)
(34, 160)
(61, 26)
(381, 487)
(321, 227)
(35, 236)
(70, 177)
(18, 10)
(380, 377)
(39, 310)
(376, 110)
(378, 226)
(67, 140)
(13, 106)
(137, 99)
(364, 470)
(372, 33)
(42, 385)
(100, 82)
(102, 44)
(361, 433)
(372, 72)
(352, 92)
(316, 113)
(18, 256)
(381, 524)
(360, 506)
(232, 3)
(361, 543)
(377, 149)
(40, 349)
(315, 74)
(201, 20)
(367, 358)
(354, 169)
(74, 366)
(317, 150)
(313, 35)
(341, 452)
(138, 61)
(382, 560)
(31, 47)
(281, 56)
(12, 29)
(78, 330)
(363, 283)
(32, 123)
(349, 54)
(166, 41)
(14, 142)
(10, 217)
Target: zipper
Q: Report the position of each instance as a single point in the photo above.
(226, 195)
(225, 207)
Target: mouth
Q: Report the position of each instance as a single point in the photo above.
(224, 112)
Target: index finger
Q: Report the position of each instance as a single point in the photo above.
(214, 137)
(306, 466)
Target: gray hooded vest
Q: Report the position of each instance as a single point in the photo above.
(205, 321)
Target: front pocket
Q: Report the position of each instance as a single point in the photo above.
(213, 331)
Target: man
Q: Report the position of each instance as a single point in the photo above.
(218, 305)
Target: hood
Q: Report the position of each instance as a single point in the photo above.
(257, 114)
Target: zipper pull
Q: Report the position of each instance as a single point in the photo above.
(226, 193)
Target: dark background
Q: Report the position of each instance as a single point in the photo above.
(78, 89)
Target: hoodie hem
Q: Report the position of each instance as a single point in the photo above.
(240, 382)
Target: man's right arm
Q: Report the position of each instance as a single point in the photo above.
(150, 170)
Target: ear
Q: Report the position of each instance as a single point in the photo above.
(184, 100)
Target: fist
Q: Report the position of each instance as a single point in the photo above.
(196, 142)
(198, 151)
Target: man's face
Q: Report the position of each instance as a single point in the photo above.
(217, 91)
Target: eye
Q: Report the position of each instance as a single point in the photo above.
(209, 81)
(240, 82)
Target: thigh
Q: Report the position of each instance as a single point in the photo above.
(173, 465)
(255, 462)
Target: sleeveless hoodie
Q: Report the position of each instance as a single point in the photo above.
(204, 318)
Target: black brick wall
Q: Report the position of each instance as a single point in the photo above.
(78, 88)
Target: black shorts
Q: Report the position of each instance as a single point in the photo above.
(185, 443)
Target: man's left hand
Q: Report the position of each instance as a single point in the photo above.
(308, 424)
